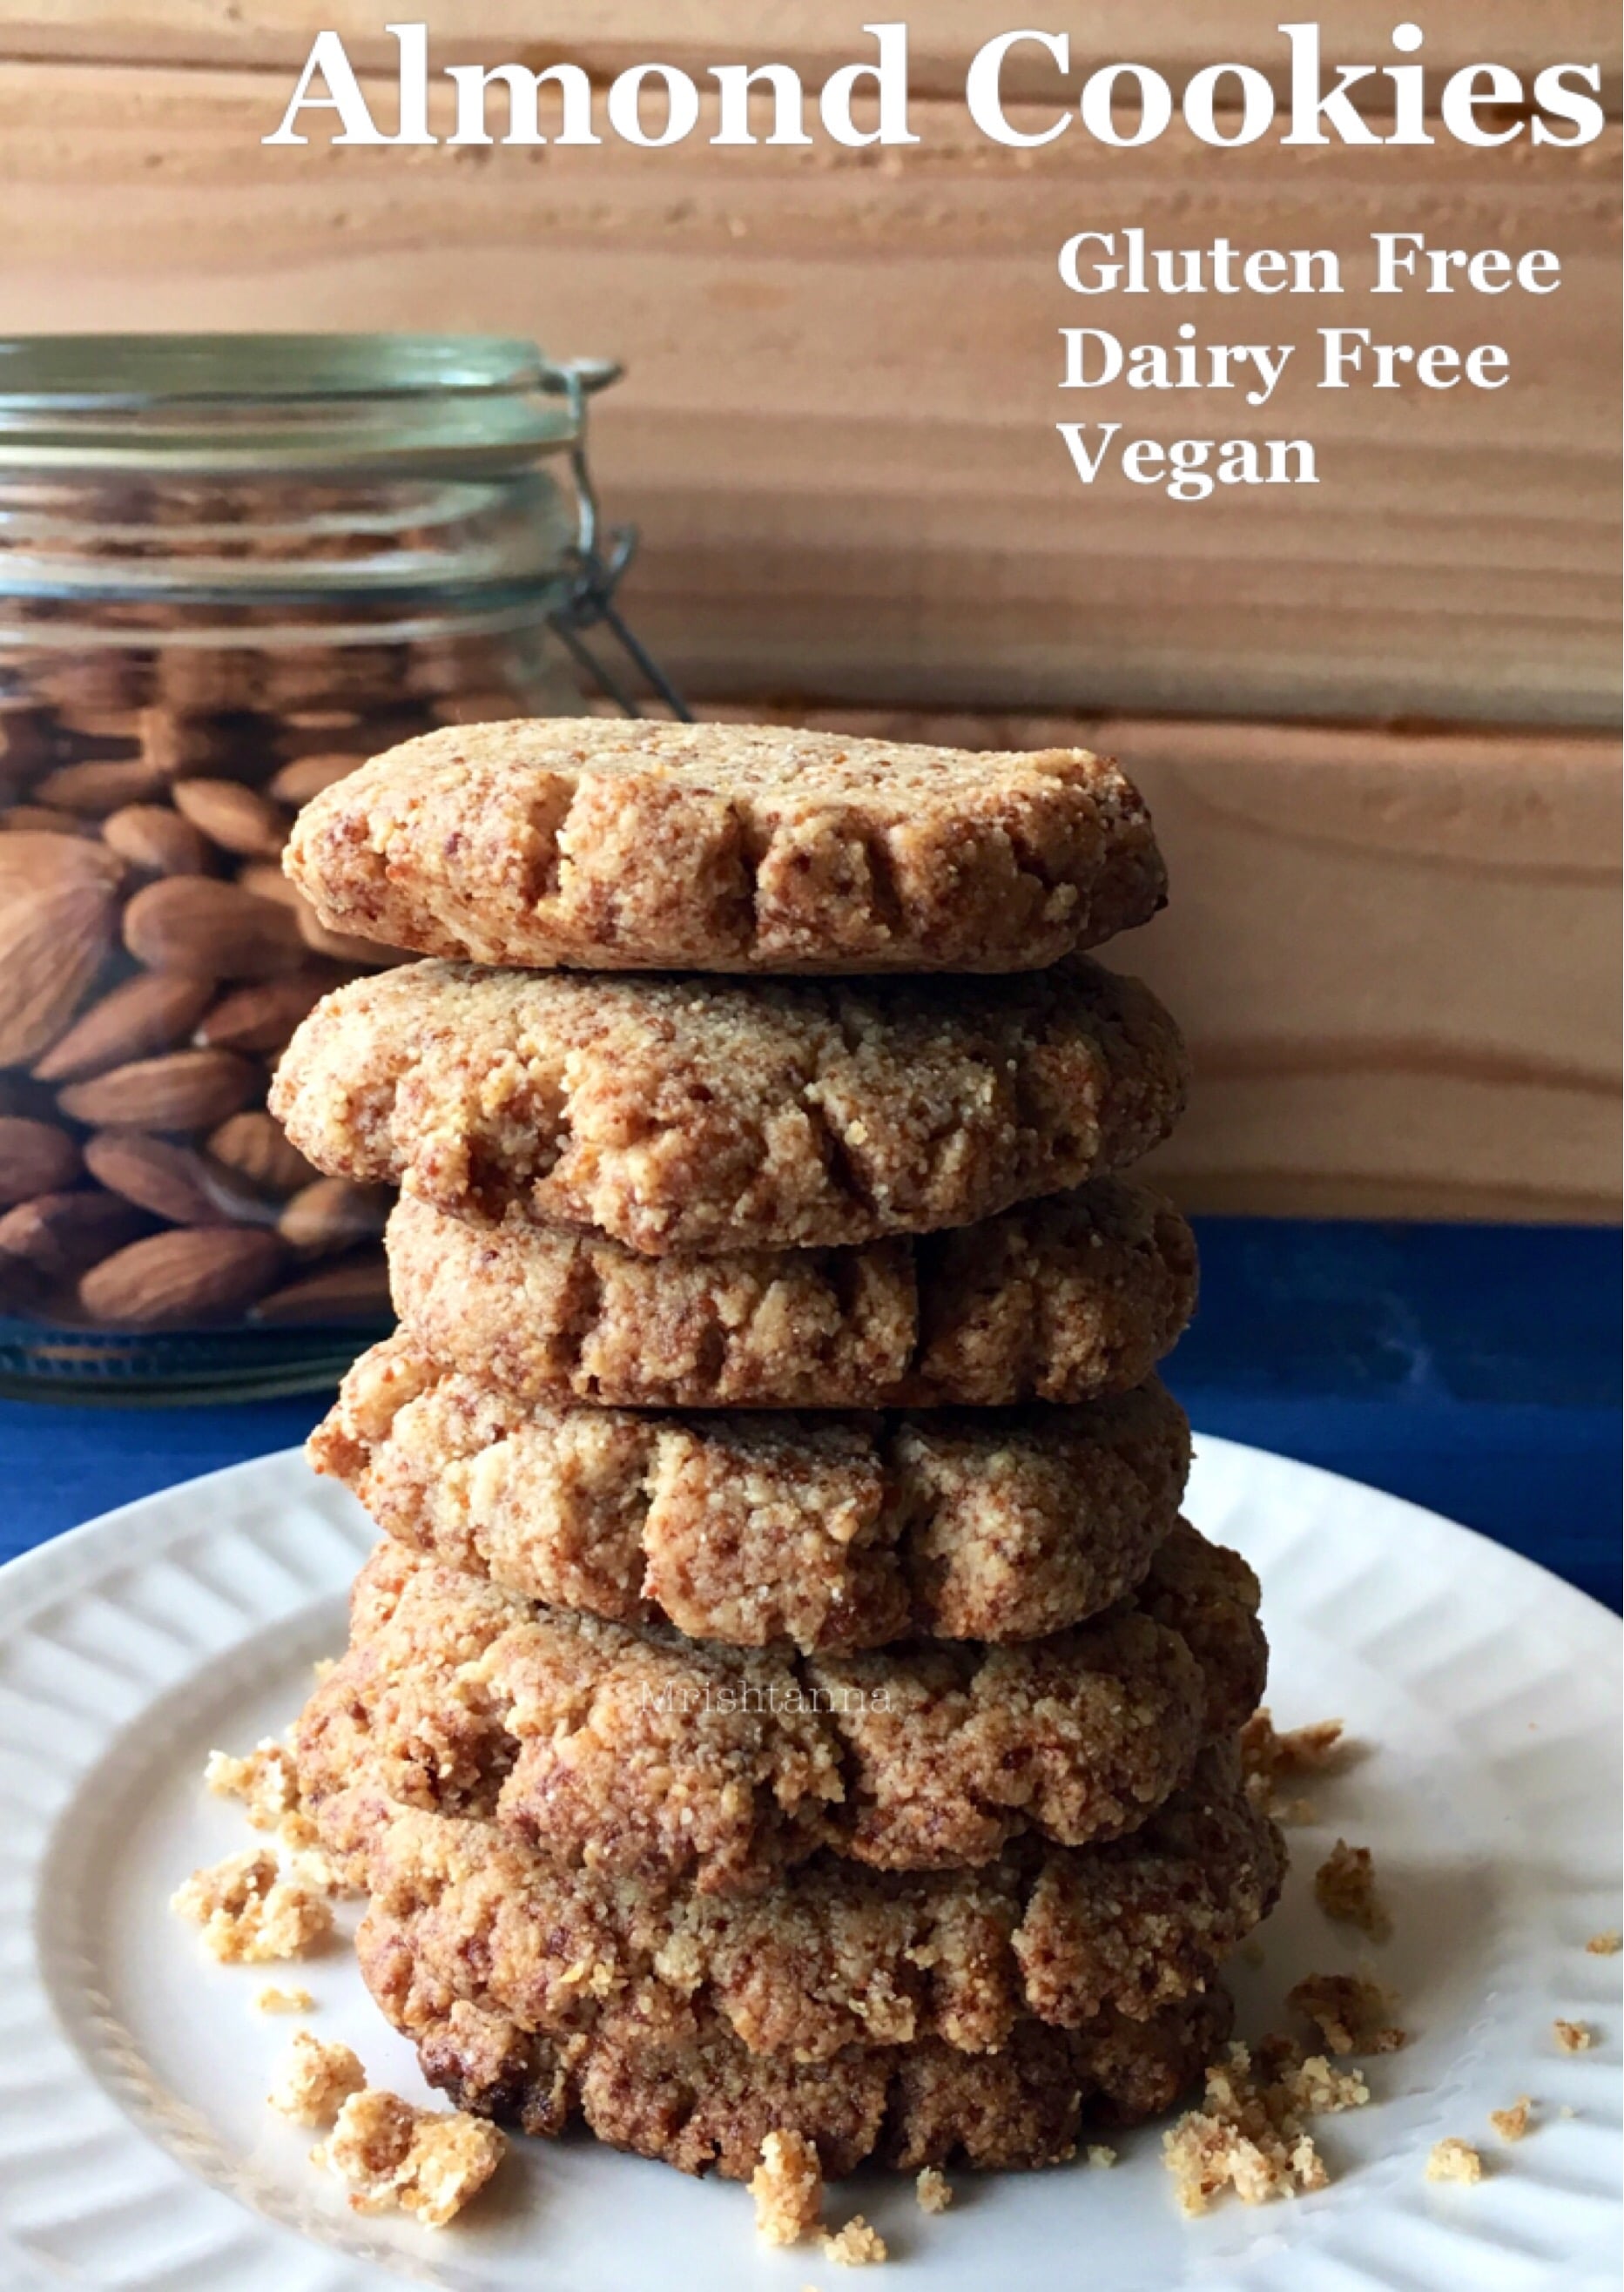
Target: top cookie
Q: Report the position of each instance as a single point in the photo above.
(616, 846)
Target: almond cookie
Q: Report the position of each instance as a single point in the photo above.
(1059, 1300)
(828, 1957)
(697, 2099)
(643, 1754)
(693, 1114)
(613, 846)
(834, 1532)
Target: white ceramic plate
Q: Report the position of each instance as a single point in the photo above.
(136, 2150)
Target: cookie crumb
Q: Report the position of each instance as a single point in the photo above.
(272, 2000)
(1606, 1945)
(1574, 2036)
(857, 2245)
(1313, 2089)
(1454, 2160)
(1249, 2135)
(1344, 1887)
(250, 1914)
(429, 2162)
(323, 1666)
(1567, 2110)
(1349, 2012)
(787, 2188)
(932, 2190)
(265, 1780)
(1099, 2157)
(309, 1859)
(316, 2080)
(1268, 1758)
(1512, 2123)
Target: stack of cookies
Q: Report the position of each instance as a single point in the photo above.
(787, 1699)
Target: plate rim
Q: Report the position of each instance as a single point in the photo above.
(68, 1565)
(57, 1555)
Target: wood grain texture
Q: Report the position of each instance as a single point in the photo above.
(1176, 36)
(1396, 958)
(838, 428)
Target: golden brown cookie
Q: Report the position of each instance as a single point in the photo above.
(695, 1114)
(614, 846)
(697, 2099)
(834, 1532)
(1060, 1300)
(644, 1754)
(831, 1956)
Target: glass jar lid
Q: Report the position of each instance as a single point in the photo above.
(282, 405)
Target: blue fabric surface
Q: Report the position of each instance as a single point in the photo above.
(1473, 1369)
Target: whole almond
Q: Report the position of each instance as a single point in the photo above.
(90, 684)
(334, 1213)
(263, 1018)
(158, 840)
(198, 682)
(61, 1236)
(258, 1148)
(307, 776)
(172, 1181)
(183, 1090)
(352, 1289)
(44, 821)
(99, 787)
(235, 817)
(298, 721)
(173, 744)
(366, 677)
(191, 1274)
(107, 731)
(336, 731)
(36, 1157)
(58, 910)
(264, 878)
(190, 922)
(152, 1011)
(79, 857)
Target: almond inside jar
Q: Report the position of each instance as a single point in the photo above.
(298, 552)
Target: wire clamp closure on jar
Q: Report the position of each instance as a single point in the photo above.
(597, 574)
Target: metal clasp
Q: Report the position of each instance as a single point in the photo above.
(596, 572)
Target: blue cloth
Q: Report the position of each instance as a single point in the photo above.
(1471, 1368)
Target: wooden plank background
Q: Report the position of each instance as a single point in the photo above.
(1395, 956)
(838, 428)
(1395, 947)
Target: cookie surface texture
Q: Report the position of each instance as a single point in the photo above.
(646, 846)
(701, 2100)
(1060, 1300)
(642, 1753)
(834, 1532)
(831, 1957)
(694, 1114)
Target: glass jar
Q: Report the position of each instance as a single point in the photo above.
(232, 568)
